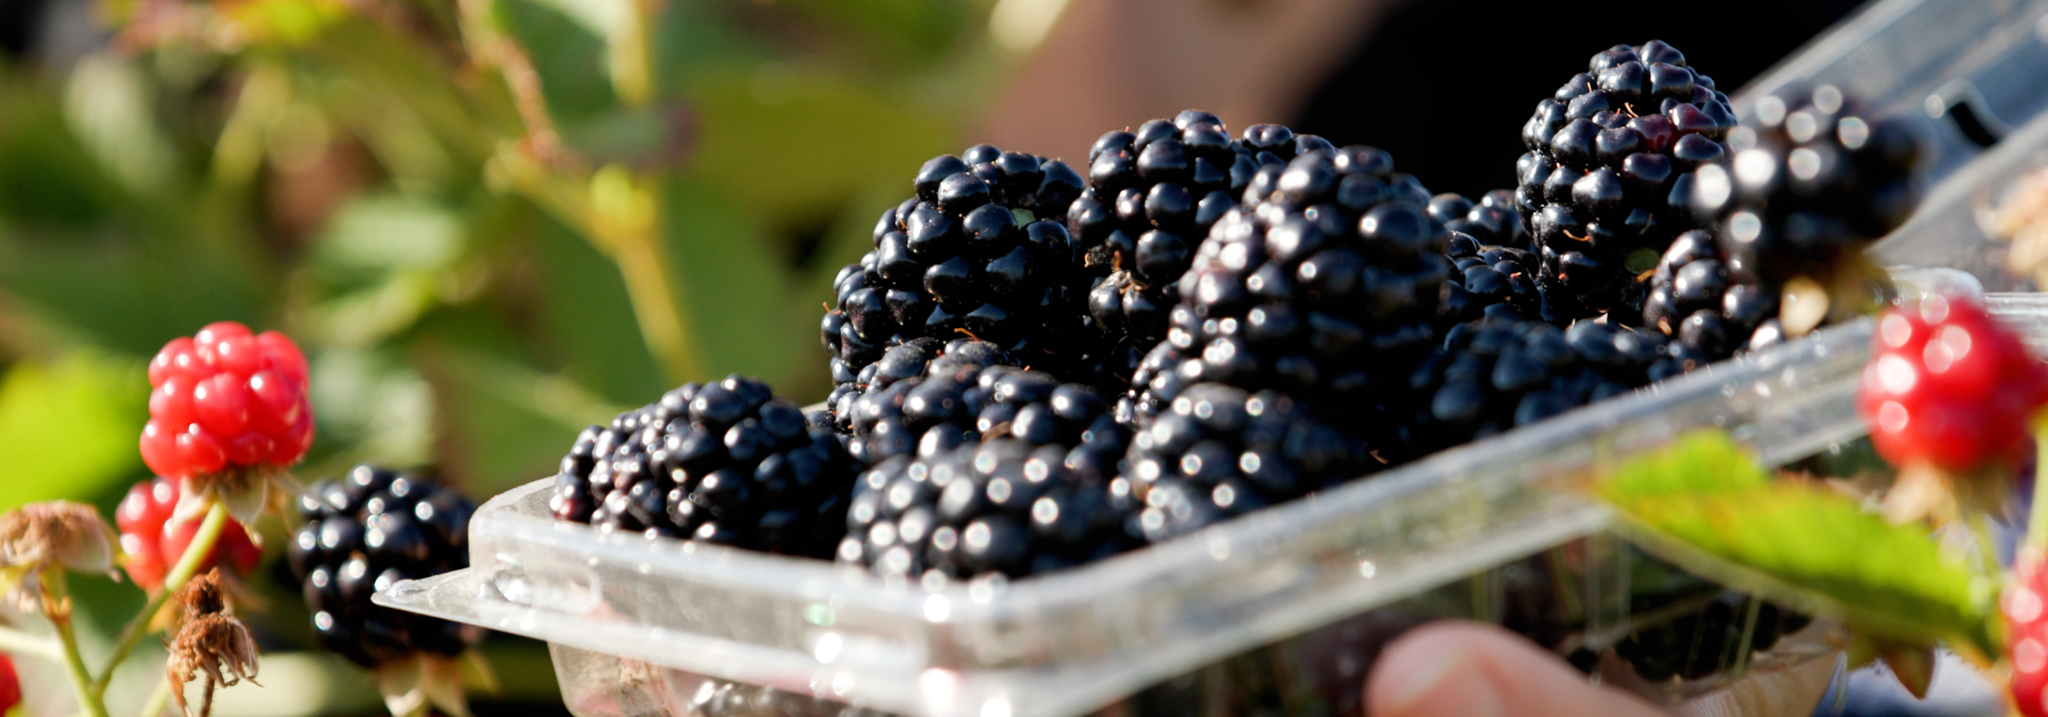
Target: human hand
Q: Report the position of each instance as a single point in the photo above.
(1462, 669)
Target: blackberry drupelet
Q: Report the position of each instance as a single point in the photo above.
(1698, 300)
(1609, 174)
(1008, 506)
(364, 533)
(1488, 280)
(1220, 451)
(726, 463)
(1324, 287)
(1153, 195)
(982, 249)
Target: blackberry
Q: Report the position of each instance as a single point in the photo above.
(1220, 451)
(1697, 299)
(1008, 506)
(1488, 280)
(1323, 287)
(1609, 175)
(1491, 220)
(858, 407)
(1495, 374)
(361, 535)
(1814, 180)
(958, 402)
(726, 463)
(981, 249)
(1153, 195)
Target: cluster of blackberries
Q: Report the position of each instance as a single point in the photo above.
(1153, 194)
(982, 250)
(363, 534)
(725, 463)
(1609, 176)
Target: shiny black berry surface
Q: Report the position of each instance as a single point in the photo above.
(1496, 373)
(364, 533)
(1153, 194)
(1220, 451)
(1323, 286)
(1009, 507)
(726, 463)
(982, 250)
(1609, 175)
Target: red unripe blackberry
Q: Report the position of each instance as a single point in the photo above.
(226, 398)
(1948, 386)
(153, 540)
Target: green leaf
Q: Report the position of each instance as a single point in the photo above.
(1699, 462)
(515, 421)
(69, 427)
(1704, 504)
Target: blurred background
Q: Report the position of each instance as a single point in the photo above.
(492, 222)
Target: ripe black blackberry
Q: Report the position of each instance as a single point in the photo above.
(1220, 451)
(880, 388)
(1491, 220)
(1609, 174)
(958, 401)
(1491, 265)
(982, 249)
(1153, 195)
(1007, 506)
(1495, 374)
(1324, 287)
(724, 463)
(365, 533)
(1814, 181)
(1698, 300)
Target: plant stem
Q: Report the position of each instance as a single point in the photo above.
(57, 607)
(188, 564)
(2036, 540)
(158, 700)
(23, 643)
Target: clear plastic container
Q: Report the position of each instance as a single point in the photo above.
(1282, 611)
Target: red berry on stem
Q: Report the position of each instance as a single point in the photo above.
(154, 539)
(1949, 387)
(226, 398)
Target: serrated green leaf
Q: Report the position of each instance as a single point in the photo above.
(69, 427)
(1705, 504)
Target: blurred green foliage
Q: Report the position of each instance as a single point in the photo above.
(488, 222)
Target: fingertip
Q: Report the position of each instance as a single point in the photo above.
(1467, 669)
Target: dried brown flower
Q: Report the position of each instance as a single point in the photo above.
(210, 642)
(2023, 220)
(56, 534)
